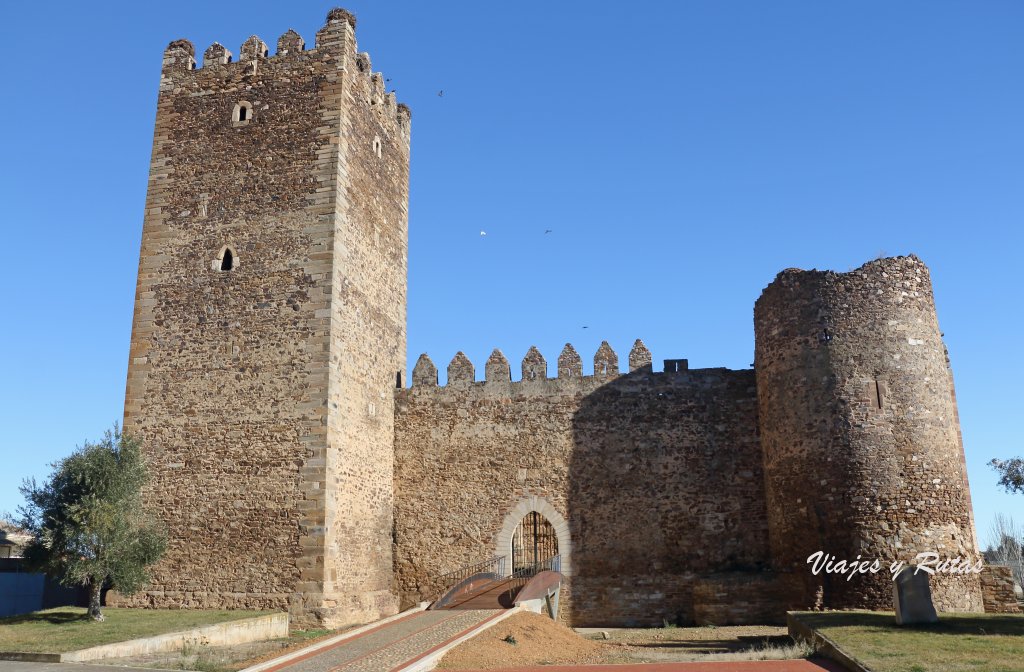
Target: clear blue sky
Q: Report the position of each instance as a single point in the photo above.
(682, 153)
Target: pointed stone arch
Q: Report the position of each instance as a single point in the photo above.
(503, 540)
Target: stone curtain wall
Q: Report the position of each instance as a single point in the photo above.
(248, 386)
(861, 442)
(658, 475)
(997, 590)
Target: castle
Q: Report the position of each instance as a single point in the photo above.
(295, 469)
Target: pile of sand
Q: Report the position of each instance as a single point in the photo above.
(538, 641)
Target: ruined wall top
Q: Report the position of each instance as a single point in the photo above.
(883, 268)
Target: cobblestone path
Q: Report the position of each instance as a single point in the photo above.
(392, 645)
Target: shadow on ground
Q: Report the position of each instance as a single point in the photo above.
(55, 618)
(951, 624)
(714, 645)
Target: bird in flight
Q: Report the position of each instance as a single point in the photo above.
(483, 233)
(440, 94)
(547, 231)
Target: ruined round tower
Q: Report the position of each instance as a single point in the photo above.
(859, 427)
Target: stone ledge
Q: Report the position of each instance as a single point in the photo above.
(800, 631)
(258, 628)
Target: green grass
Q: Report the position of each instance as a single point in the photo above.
(302, 635)
(69, 628)
(957, 643)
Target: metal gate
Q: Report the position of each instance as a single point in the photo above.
(533, 542)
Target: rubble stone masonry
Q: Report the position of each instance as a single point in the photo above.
(997, 590)
(658, 475)
(269, 337)
(263, 392)
(862, 448)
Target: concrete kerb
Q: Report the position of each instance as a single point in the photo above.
(430, 660)
(800, 631)
(257, 628)
(323, 644)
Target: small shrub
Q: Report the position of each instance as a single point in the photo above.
(310, 634)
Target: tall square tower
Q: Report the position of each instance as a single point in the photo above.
(269, 327)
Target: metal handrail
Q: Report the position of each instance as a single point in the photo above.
(522, 576)
(442, 583)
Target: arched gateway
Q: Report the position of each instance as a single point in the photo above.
(534, 531)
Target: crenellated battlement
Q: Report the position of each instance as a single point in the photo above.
(335, 48)
(534, 368)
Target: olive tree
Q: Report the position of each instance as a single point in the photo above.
(88, 522)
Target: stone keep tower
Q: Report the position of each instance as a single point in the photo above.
(269, 327)
(859, 428)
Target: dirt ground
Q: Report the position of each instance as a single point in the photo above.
(523, 639)
(207, 658)
(529, 639)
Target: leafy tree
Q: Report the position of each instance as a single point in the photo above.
(1011, 473)
(88, 522)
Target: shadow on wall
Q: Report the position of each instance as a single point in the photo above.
(666, 496)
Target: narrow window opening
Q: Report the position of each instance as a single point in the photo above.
(243, 113)
(398, 380)
(377, 149)
(879, 394)
(228, 261)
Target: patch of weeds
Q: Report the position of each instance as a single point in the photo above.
(510, 639)
(207, 665)
(196, 655)
(767, 651)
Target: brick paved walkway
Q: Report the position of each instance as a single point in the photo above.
(392, 645)
(745, 666)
